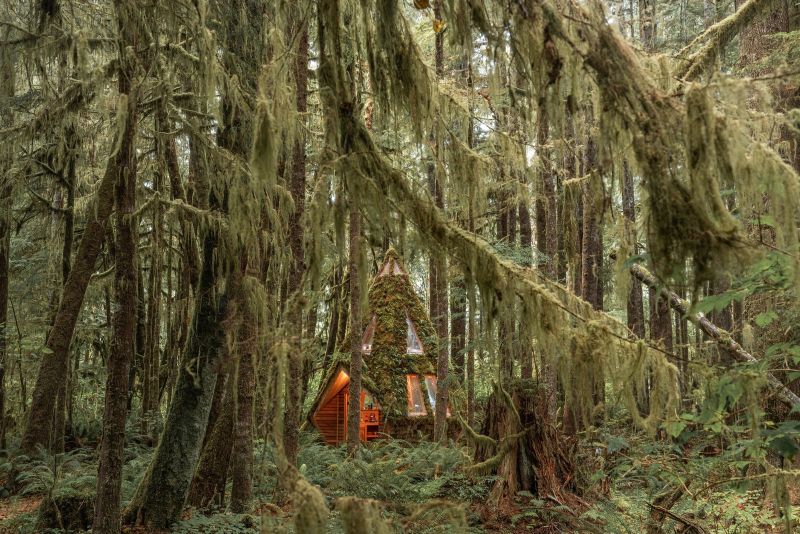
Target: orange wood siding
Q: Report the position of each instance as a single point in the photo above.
(331, 418)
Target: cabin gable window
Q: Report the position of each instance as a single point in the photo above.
(413, 344)
(369, 333)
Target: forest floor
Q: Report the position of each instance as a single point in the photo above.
(422, 488)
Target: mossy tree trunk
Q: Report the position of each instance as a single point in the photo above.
(297, 187)
(208, 484)
(242, 458)
(438, 265)
(635, 303)
(546, 213)
(7, 86)
(356, 327)
(111, 450)
(43, 416)
(529, 452)
(159, 499)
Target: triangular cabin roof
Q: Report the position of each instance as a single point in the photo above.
(398, 340)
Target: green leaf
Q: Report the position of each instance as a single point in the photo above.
(785, 446)
(618, 443)
(674, 428)
(765, 318)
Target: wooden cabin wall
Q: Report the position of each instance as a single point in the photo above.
(331, 419)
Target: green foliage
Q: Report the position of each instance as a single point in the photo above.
(217, 524)
(393, 471)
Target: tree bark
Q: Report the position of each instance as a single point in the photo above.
(242, 454)
(112, 443)
(438, 269)
(647, 24)
(635, 303)
(297, 186)
(7, 87)
(208, 484)
(547, 239)
(356, 328)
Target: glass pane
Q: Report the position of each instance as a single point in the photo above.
(416, 406)
(370, 403)
(369, 333)
(413, 345)
(430, 385)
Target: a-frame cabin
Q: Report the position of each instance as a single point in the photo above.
(398, 377)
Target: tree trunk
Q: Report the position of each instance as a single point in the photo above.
(112, 443)
(53, 368)
(547, 238)
(458, 327)
(159, 499)
(297, 186)
(7, 85)
(647, 24)
(208, 484)
(356, 328)
(635, 297)
(438, 269)
(242, 453)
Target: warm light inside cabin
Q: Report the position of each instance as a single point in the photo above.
(416, 403)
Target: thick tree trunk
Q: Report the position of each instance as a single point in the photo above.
(354, 266)
(208, 484)
(242, 454)
(159, 499)
(111, 450)
(7, 88)
(592, 250)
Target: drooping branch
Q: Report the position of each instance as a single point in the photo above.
(722, 337)
(717, 36)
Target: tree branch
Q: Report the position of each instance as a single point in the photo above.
(722, 337)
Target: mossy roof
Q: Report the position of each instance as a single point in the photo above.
(391, 300)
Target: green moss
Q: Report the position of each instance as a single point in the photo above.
(391, 299)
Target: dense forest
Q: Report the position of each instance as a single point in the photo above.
(399, 266)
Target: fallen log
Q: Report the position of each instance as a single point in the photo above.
(722, 337)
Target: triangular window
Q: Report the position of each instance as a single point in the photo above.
(387, 269)
(391, 267)
(369, 333)
(413, 345)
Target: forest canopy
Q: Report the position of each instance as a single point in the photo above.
(381, 266)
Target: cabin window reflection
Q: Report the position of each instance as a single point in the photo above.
(413, 345)
(416, 404)
(430, 385)
(369, 333)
